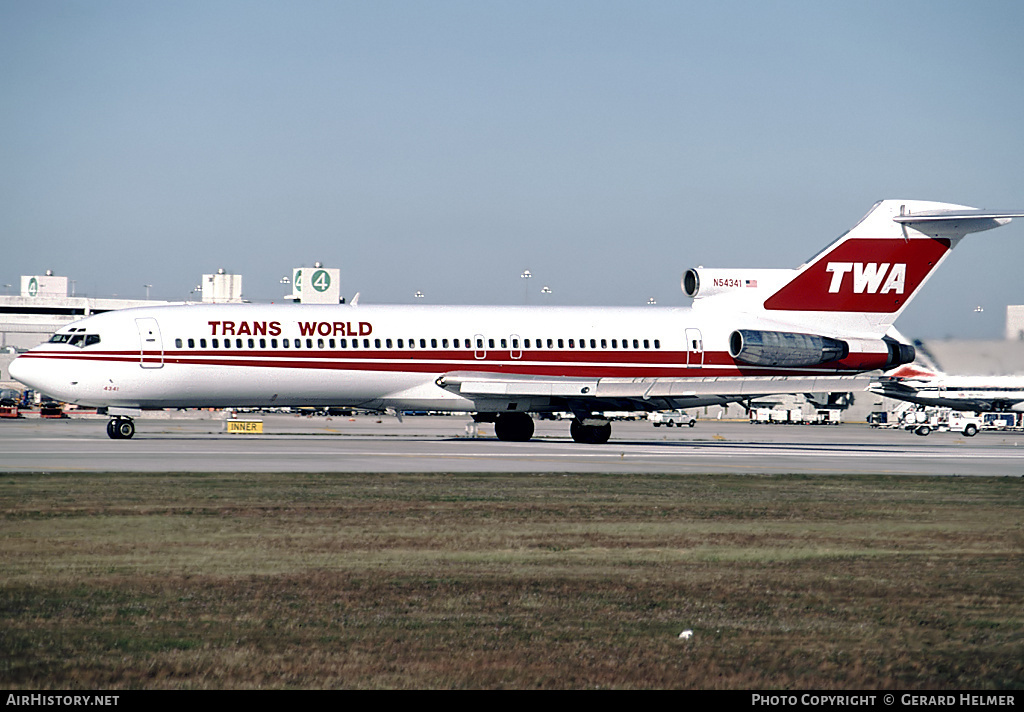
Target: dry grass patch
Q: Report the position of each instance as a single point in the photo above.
(237, 581)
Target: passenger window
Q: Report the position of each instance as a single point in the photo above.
(647, 344)
(504, 343)
(177, 343)
(572, 343)
(561, 344)
(202, 343)
(550, 344)
(490, 343)
(636, 343)
(657, 343)
(319, 343)
(252, 343)
(433, 343)
(273, 343)
(444, 343)
(191, 343)
(238, 343)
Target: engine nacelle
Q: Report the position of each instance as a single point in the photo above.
(701, 282)
(778, 348)
(899, 354)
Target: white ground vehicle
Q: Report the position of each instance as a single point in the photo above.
(924, 422)
(669, 418)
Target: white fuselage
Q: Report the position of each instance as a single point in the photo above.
(376, 356)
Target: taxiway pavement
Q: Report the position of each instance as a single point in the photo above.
(291, 443)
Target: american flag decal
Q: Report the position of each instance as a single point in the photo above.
(750, 283)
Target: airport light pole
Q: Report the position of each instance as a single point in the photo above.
(525, 276)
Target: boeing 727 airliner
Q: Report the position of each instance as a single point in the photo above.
(748, 333)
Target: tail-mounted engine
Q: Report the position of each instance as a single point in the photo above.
(899, 354)
(700, 282)
(778, 348)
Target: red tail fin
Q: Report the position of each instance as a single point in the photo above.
(863, 275)
(877, 267)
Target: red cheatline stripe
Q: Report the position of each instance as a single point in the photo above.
(716, 364)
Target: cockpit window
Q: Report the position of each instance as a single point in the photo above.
(80, 340)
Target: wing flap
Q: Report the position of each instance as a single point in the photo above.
(510, 386)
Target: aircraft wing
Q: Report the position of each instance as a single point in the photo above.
(892, 387)
(642, 393)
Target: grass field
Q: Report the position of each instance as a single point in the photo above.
(516, 581)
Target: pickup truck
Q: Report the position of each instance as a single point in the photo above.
(669, 418)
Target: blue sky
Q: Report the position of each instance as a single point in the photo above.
(446, 146)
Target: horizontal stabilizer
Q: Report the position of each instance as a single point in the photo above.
(956, 223)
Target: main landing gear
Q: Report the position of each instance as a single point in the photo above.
(120, 428)
(590, 434)
(518, 428)
(513, 427)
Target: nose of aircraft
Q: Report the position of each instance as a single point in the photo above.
(24, 371)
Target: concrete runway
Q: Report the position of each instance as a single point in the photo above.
(441, 444)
